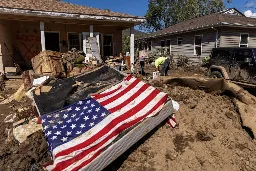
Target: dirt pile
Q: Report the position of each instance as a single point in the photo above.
(30, 155)
(209, 137)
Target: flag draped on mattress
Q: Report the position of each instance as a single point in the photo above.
(77, 134)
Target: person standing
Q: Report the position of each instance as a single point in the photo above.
(142, 64)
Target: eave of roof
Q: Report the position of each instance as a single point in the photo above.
(53, 14)
(220, 20)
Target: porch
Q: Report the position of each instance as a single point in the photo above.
(24, 37)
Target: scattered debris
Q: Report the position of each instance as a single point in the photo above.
(10, 118)
(40, 81)
(48, 63)
(21, 132)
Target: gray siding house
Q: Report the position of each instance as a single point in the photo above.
(195, 38)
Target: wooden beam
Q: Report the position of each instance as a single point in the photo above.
(84, 42)
(42, 35)
(132, 47)
(91, 30)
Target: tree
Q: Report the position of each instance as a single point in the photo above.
(164, 13)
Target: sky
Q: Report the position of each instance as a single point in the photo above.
(139, 7)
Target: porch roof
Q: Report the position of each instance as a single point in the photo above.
(58, 9)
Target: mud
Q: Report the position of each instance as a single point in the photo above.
(209, 137)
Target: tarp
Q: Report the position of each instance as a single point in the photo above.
(63, 93)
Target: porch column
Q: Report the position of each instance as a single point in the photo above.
(42, 35)
(84, 41)
(132, 48)
(91, 30)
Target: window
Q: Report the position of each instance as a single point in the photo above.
(198, 45)
(179, 41)
(145, 46)
(149, 45)
(162, 43)
(168, 43)
(74, 41)
(244, 37)
(168, 47)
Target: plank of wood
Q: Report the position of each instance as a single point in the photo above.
(129, 139)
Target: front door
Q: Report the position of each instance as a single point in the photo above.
(52, 41)
(108, 45)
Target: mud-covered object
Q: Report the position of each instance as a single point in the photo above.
(63, 93)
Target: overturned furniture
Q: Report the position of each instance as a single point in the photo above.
(112, 120)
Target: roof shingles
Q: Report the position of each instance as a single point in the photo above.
(58, 6)
(205, 21)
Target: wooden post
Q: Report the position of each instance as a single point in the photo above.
(84, 42)
(132, 48)
(91, 30)
(42, 35)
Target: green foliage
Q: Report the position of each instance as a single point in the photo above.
(164, 13)
(126, 39)
(182, 61)
(126, 44)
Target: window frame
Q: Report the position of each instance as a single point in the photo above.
(79, 40)
(149, 45)
(164, 43)
(169, 45)
(199, 35)
(246, 45)
(178, 41)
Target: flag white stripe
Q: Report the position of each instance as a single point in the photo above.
(102, 124)
(87, 157)
(127, 95)
(124, 84)
(155, 112)
(106, 121)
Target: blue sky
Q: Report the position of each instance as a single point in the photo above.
(139, 7)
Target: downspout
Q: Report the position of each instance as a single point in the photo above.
(217, 36)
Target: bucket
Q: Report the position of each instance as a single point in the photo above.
(155, 74)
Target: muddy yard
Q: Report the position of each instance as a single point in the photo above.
(209, 137)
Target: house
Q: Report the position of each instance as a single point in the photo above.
(30, 26)
(195, 38)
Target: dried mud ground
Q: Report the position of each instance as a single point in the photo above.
(209, 137)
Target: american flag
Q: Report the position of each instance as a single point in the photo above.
(77, 134)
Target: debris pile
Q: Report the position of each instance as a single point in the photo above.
(48, 63)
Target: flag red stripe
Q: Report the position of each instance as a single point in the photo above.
(108, 127)
(130, 99)
(129, 125)
(169, 122)
(123, 92)
(65, 164)
(98, 96)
